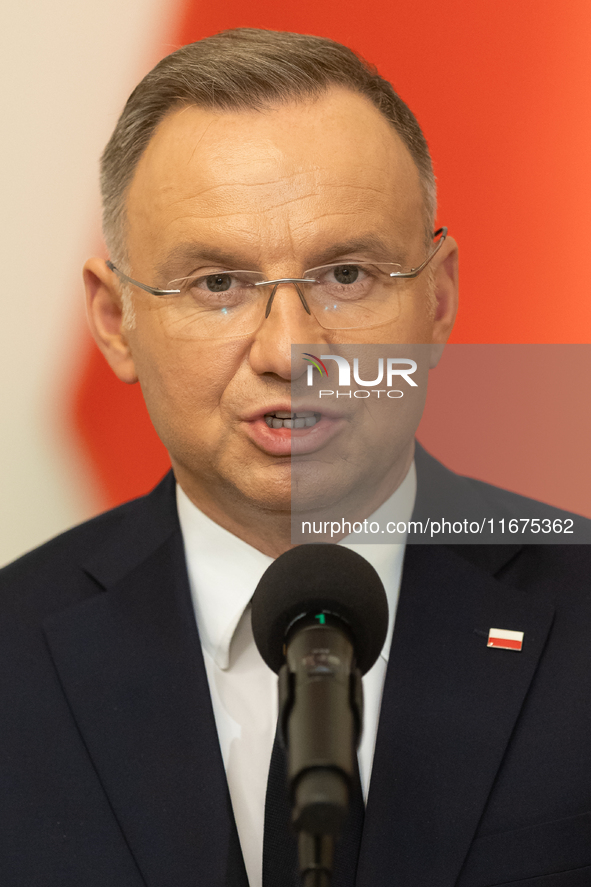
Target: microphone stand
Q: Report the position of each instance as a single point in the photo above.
(316, 855)
(320, 711)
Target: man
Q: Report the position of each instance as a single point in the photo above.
(255, 158)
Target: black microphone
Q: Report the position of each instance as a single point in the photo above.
(319, 619)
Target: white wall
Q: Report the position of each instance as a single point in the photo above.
(66, 69)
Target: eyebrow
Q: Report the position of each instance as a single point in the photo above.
(184, 254)
(369, 247)
(188, 253)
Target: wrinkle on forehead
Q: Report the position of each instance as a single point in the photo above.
(227, 202)
(269, 176)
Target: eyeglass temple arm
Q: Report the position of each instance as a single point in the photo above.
(414, 272)
(143, 286)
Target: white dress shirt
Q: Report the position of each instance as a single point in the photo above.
(223, 574)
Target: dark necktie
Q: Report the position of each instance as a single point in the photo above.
(280, 857)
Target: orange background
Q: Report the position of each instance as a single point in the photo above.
(502, 90)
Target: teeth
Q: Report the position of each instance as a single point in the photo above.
(283, 414)
(283, 419)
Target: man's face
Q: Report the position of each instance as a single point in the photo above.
(278, 191)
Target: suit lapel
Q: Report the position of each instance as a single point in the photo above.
(450, 705)
(131, 666)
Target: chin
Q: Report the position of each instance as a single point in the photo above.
(317, 486)
(268, 489)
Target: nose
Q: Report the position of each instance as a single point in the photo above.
(288, 321)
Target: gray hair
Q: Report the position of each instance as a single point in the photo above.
(246, 69)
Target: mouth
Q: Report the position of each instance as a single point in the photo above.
(293, 421)
(291, 432)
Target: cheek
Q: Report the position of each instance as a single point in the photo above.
(185, 385)
(414, 324)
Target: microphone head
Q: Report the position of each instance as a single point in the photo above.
(312, 578)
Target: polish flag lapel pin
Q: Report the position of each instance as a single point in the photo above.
(504, 639)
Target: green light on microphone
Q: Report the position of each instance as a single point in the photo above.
(321, 618)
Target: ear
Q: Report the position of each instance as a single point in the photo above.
(105, 316)
(446, 296)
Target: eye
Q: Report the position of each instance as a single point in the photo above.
(346, 281)
(346, 274)
(219, 282)
(219, 289)
(215, 283)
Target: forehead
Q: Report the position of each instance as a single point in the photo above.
(277, 181)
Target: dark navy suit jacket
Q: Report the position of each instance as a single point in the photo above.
(111, 772)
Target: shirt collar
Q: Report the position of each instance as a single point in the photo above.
(224, 571)
(223, 574)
